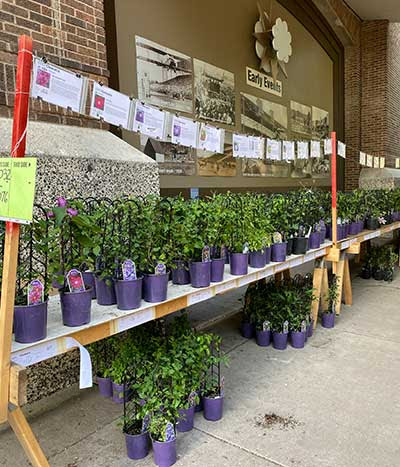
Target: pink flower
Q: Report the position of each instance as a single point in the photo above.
(72, 212)
(61, 202)
(50, 214)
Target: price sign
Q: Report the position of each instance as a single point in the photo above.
(17, 189)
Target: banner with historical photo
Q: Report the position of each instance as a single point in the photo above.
(300, 120)
(172, 159)
(214, 93)
(320, 123)
(214, 164)
(164, 76)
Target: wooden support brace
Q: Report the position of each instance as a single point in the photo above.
(339, 274)
(348, 293)
(278, 276)
(333, 255)
(18, 393)
(27, 439)
(286, 274)
(324, 290)
(354, 248)
(317, 286)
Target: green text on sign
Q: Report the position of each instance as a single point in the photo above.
(17, 189)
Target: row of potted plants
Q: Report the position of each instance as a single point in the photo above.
(126, 250)
(380, 263)
(162, 375)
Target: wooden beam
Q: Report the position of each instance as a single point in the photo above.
(348, 293)
(324, 290)
(286, 274)
(354, 248)
(339, 274)
(26, 438)
(170, 307)
(317, 286)
(18, 378)
(333, 255)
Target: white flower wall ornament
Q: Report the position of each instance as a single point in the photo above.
(282, 40)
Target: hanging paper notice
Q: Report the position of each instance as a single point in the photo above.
(274, 149)
(85, 380)
(363, 158)
(376, 162)
(17, 189)
(341, 149)
(256, 147)
(397, 166)
(211, 138)
(112, 106)
(241, 145)
(288, 150)
(302, 150)
(370, 161)
(315, 149)
(58, 87)
(149, 121)
(184, 131)
(382, 163)
(327, 146)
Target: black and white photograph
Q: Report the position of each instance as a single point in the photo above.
(300, 120)
(164, 76)
(212, 164)
(320, 123)
(172, 159)
(214, 90)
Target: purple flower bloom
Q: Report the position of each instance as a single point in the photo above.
(72, 212)
(61, 202)
(169, 432)
(50, 214)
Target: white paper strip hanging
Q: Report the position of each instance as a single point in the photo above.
(376, 162)
(363, 158)
(302, 150)
(382, 163)
(327, 146)
(149, 121)
(315, 149)
(274, 150)
(59, 87)
(184, 131)
(341, 149)
(211, 138)
(397, 163)
(111, 106)
(288, 150)
(370, 160)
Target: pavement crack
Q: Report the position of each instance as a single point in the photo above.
(369, 336)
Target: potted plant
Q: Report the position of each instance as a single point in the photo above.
(163, 438)
(213, 399)
(328, 316)
(136, 430)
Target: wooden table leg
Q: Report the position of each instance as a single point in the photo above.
(324, 291)
(286, 274)
(278, 277)
(26, 438)
(339, 275)
(348, 293)
(317, 286)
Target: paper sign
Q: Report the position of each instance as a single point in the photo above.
(131, 321)
(224, 287)
(199, 296)
(58, 87)
(265, 273)
(363, 158)
(128, 270)
(112, 106)
(36, 354)
(341, 149)
(256, 147)
(376, 162)
(149, 121)
(397, 163)
(247, 279)
(315, 149)
(370, 161)
(382, 163)
(184, 131)
(302, 150)
(288, 150)
(327, 146)
(85, 378)
(241, 145)
(194, 193)
(17, 189)
(273, 150)
(211, 138)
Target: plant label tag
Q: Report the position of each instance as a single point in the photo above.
(285, 327)
(205, 254)
(128, 270)
(75, 281)
(308, 233)
(277, 237)
(303, 326)
(245, 248)
(192, 398)
(266, 326)
(145, 423)
(169, 432)
(35, 292)
(160, 269)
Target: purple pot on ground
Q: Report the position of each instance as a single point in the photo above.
(89, 280)
(257, 259)
(267, 255)
(129, 293)
(118, 393)
(200, 273)
(164, 452)
(298, 339)
(328, 320)
(314, 241)
(105, 386)
(279, 340)
(30, 322)
(199, 407)
(137, 446)
(217, 269)
(278, 252)
(155, 287)
(239, 264)
(180, 274)
(76, 307)
(353, 228)
(185, 421)
(213, 408)
(105, 292)
(263, 338)
(247, 330)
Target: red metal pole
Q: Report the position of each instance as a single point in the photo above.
(333, 172)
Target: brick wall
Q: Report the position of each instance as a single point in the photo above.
(393, 98)
(70, 33)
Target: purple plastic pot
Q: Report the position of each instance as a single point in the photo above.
(89, 280)
(346, 230)
(239, 264)
(300, 245)
(118, 393)
(185, 421)
(105, 292)
(129, 293)
(353, 228)
(155, 287)
(328, 320)
(279, 340)
(289, 247)
(76, 307)
(328, 232)
(278, 252)
(213, 408)
(297, 339)
(199, 407)
(247, 330)
(200, 273)
(30, 322)
(322, 235)
(310, 329)
(267, 255)
(217, 269)
(105, 386)
(314, 241)
(137, 446)
(180, 274)
(257, 259)
(164, 452)
(263, 338)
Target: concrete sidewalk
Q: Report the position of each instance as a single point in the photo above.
(335, 403)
